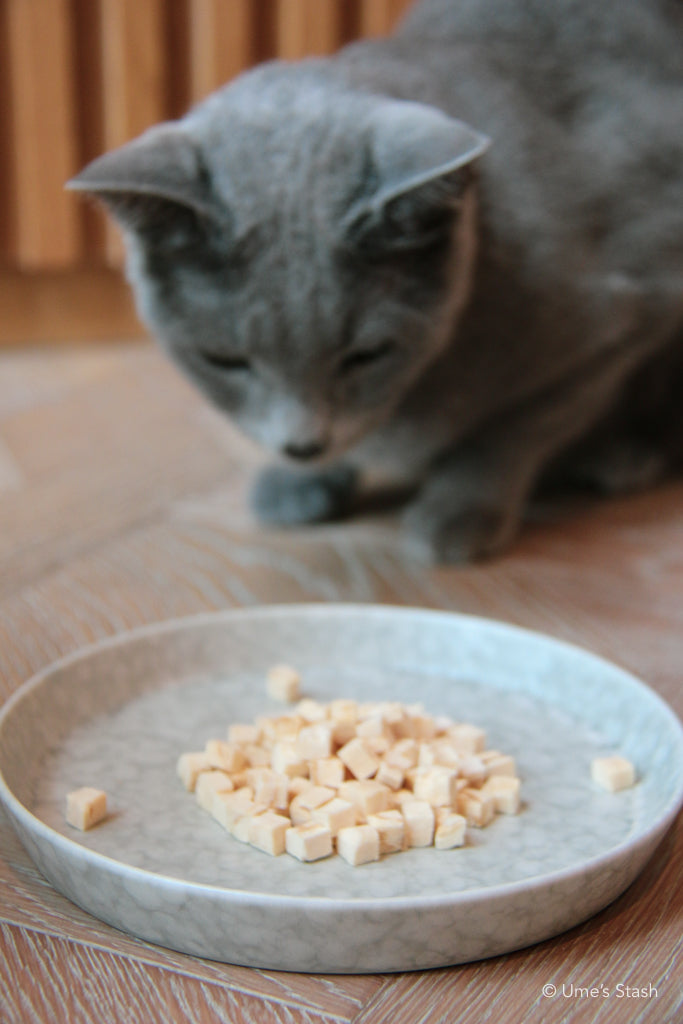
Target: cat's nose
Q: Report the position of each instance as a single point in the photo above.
(303, 452)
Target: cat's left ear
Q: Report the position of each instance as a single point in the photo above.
(152, 185)
(418, 170)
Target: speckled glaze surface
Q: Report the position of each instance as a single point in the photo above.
(117, 716)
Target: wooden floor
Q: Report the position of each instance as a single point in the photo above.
(122, 501)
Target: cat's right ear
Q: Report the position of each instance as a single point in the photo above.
(418, 170)
(155, 185)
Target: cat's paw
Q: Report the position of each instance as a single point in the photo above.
(286, 497)
(469, 534)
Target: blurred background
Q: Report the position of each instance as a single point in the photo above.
(78, 77)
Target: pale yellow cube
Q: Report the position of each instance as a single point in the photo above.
(257, 755)
(315, 796)
(189, 767)
(403, 754)
(446, 754)
(473, 769)
(309, 842)
(467, 739)
(437, 785)
(311, 710)
(298, 815)
(286, 760)
(358, 844)
(450, 831)
(419, 822)
(335, 814)
(228, 807)
(390, 775)
(358, 759)
(314, 741)
(499, 764)
(369, 796)
(283, 683)
(344, 710)
(267, 832)
(242, 733)
(328, 771)
(613, 773)
(505, 791)
(226, 756)
(208, 784)
(270, 788)
(86, 807)
(391, 829)
(298, 783)
(477, 806)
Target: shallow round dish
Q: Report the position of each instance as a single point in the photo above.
(117, 715)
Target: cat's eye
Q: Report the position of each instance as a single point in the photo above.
(224, 361)
(359, 358)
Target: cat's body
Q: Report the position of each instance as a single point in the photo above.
(361, 281)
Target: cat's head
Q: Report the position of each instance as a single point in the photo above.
(300, 249)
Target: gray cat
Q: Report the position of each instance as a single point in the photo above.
(455, 255)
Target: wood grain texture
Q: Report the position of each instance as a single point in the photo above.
(134, 69)
(43, 154)
(307, 27)
(126, 502)
(377, 17)
(222, 42)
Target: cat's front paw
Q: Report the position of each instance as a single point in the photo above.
(287, 497)
(466, 535)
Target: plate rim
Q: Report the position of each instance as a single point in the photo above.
(75, 850)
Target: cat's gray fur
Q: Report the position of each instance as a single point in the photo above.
(356, 276)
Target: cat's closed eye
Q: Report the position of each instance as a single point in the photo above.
(227, 362)
(359, 358)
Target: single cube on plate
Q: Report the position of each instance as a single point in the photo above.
(613, 773)
(86, 807)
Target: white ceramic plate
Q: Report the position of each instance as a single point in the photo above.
(117, 716)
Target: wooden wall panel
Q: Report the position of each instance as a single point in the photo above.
(377, 17)
(134, 66)
(222, 42)
(78, 77)
(43, 153)
(308, 27)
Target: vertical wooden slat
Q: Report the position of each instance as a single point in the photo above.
(221, 42)
(378, 17)
(43, 148)
(133, 70)
(308, 27)
(6, 151)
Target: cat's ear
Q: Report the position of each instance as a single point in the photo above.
(153, 185)
(418, 169)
